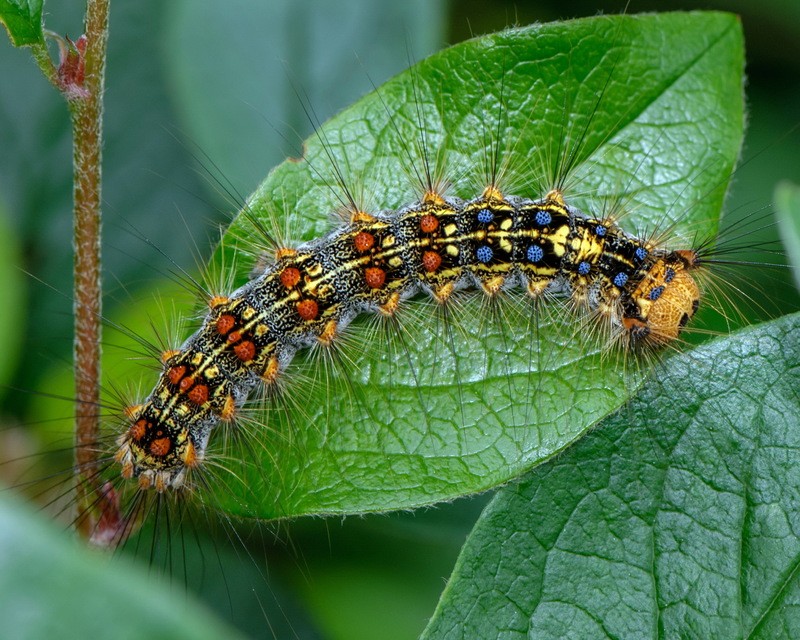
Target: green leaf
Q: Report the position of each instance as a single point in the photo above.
(678, 517)
(54, 588)
(23, 21)
(787, 202)
(463, 399)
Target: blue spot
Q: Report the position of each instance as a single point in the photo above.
(600, 231)
(641, 253)
(655, 293)
(620, 279)
(484, 254)
(534, 253)
(669, 275)
(543, 218)
(584, 268)
(485, 216)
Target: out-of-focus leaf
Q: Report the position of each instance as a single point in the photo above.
(53, 588)
(239, 70)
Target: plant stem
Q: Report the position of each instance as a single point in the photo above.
(87, 114)
(45, 63)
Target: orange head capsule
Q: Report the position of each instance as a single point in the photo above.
(663, 302)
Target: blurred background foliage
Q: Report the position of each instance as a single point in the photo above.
(199, 90)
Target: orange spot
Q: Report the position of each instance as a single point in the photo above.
(225, 323)
(235, 337)
(218, 301)
(492, 194)
(328, 334)
(160, 447)
(363, 241)
(138, 429)
(361, 216)
(175, 374)
(555, 196)
(245, 351)
(443, 293)
(492, 286)
(272, 370)
(307, 309)
(133, 411)
(428, 223)
(285, 252)
(389, 308)
(229, 409)
(538, 286)
(199, 395)
(290, 277)
(145, 482)
(127, 470)
(186, 384)
(166, 356)
(433, 198)
(161, 483)
(375, 277)
(689, 256)
(190, 457)
(431, 261)
(636, 328)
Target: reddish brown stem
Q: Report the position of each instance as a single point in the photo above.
(86, 109)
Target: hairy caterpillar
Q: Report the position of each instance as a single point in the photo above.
(581, 136)
(174, 476)
(597, 87)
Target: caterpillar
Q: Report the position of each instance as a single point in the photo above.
(437, 245)
(617, 279)
(637, 288)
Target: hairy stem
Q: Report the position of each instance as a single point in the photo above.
(86, 109)
(45, 63)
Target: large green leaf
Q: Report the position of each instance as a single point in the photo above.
(678, 517)
(53, 588)
(650, 110)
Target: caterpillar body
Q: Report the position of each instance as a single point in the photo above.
(644, 294)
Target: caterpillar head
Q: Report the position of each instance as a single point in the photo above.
(664, 301)
(155, 450)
